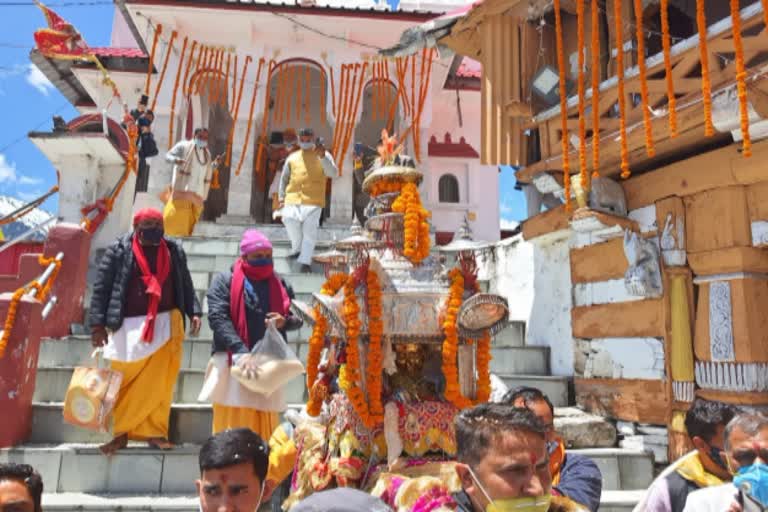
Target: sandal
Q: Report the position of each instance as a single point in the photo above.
(161, 444)
(118, 443)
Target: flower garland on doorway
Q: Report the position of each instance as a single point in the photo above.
(595, 89)
(667, 46)
(649, 148)
(375, 335)
(451, 342)
(583, 176)
(417, 241)
(706, 83)
(619, 26)
(563, 106)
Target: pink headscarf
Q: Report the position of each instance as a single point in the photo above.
(254, 240)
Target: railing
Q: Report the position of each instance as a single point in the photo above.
(43, 280)
(22, 211)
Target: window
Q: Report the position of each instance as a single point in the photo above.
(448, 189)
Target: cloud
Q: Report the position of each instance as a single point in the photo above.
(38, 80)
(28, 196)
(508, 225)
(28, 180)
(7, 170)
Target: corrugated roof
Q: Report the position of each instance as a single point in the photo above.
(129, 53)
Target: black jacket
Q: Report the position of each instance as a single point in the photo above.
(115, 270)
(225, 337)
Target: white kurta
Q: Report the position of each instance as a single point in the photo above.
(195, 174)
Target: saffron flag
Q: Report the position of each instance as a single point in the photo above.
(60, 39)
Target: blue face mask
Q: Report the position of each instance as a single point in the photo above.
(753, 480)
(260, 262)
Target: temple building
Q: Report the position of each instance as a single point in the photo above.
(249, 71)
(644, 171)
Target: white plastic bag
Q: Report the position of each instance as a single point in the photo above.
(270, 365)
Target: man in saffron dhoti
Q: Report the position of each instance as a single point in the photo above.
(302, 195)
(193, 173)
(142, 293)
(240, 303)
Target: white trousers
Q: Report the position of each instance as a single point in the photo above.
(302, 221)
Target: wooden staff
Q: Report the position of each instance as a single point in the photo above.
(175, 90)
(168, 51)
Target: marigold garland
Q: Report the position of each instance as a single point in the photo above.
(385, 187)
(250, 118)
(265, 117)
(563, 105)
(483, 368)
(176, 90)
(595, 89)
(317, 342)
(706, 83)
(417, 241)
(237, 97)
(158, 31)
(45, 262)
(375, 357)
(741, 76)
(649, 148)
(583, 176)
(10, 319)
(349, 373)
(450, 349)
(666, 42)
(619, 24)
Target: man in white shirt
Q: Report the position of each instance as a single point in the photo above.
(746, 442)
(302, 195)
(193, 173)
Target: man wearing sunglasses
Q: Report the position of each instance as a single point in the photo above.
(746, 451)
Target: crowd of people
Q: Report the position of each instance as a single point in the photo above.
(504, 463)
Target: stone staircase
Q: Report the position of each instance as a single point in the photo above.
(78, 477)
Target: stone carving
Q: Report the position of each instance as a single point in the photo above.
(746, 377)
(643, 277)
(720, 321)
(672, 242)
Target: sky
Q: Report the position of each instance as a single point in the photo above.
(28, 100)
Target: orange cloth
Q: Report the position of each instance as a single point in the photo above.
(180, 217)
(143, 405)
(282, 455)
(556, 460)
(261, 422)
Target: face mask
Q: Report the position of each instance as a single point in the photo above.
(306, 146)
(525, 504)
(753, 480)
(260, 262)
(152, 235)
(202, 144)
(717, 457)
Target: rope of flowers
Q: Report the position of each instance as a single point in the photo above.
(375, 334)
(176, 90)
(563, 106)
(619, 25)
(666, 42)
(583, 176)
(741, 75)
(706, 83)
(150, 66)
(451, 342)
(595, 89)
(649, 148)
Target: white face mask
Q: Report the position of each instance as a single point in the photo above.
(306, 146)
(202, 144)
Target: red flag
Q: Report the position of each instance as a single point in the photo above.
(60, 39)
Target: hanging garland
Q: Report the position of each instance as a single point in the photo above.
(234, 86)
(10, 320)
(484, 368)
(250, 118)
(265, 116)
(158, 31)
(349, 373)
(385, 187)
(168, 51)
(190, 60)
(323, 96)
(706, 84)
(201, 67)
(417, 241)
(375, 334)
(666, 42)
(236, 98)
(175, 90)
(595, 89)
(353, 116)
(450, 349)
(307, 95)
(583, 176)
(563, 106)
(619, 25)
(188, 90)
(741, 77)
(317, 341)
(643, 78)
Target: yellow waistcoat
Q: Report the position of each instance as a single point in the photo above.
(307, 183)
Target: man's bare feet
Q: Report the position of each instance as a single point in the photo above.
(118, 443)
(161, 444)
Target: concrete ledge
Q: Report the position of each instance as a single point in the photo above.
(622, 468)
(556, 388)
(522, 360)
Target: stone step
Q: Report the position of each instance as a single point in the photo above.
(198, 263)
(520, 360)
(235, 227)
(51, 386)
(512, 336)
(189, 423)
(555, 387)
(138, 470)
(301, 283)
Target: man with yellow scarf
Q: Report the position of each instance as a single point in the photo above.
(573, 475)
(704, 467)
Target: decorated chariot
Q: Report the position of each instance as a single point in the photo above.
(400, 345)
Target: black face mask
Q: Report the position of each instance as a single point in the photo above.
(714, 454)
(152, 235)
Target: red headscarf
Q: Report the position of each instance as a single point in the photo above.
(153, 282)
(279, 302)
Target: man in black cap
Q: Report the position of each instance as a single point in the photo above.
(302, 194)
(140, 108)
(147, 148)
